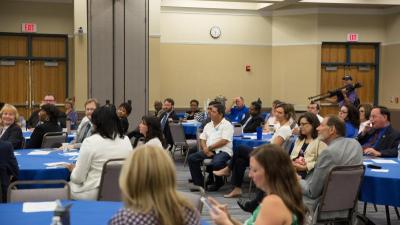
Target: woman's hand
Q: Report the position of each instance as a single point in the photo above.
(70, 167)
(219, 212)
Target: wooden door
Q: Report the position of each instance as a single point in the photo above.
(32, 66)
(357, 60)
(14, 73)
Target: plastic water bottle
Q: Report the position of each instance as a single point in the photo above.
(398, 152)
(56, 220)
(22, 122)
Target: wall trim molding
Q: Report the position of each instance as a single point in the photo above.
(390, 43)
(296, 44)
(284, 12)
(214, 43)
(155, 35)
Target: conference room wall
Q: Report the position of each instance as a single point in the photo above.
(50, 18)
(205, 71)
(389, 79)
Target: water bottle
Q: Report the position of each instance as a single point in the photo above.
(398, 152)
(56, 220)
(259, 130)
(22, 122)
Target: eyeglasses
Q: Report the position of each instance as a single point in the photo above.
(303, 124)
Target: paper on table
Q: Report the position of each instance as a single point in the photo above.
(384, 161)
(380, 170)
(367, 163)
(70, 154)
(55, 164)
(17, 153)
(28, 207)
(38, 152)
(251, 137)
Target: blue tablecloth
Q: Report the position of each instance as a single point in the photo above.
(82, 213)
(190, 128)
(382, 188)
(27, 136)
(32, 167)
(246, 141)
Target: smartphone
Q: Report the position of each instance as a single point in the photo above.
(206, 203)
(372, 166)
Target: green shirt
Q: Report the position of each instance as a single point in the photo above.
(252, 219)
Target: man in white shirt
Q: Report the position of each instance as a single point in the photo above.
(313, 108)
(216, 143)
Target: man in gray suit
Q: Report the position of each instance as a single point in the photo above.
(340, 152)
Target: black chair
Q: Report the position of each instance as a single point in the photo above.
(54, 139)
(179, 140)
(340, 195)
(109, 188)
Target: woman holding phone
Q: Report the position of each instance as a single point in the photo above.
(272, 171)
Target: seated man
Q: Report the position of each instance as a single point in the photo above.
(33, 120)
(253, 119)
(216, 143)
(314, 108)
(340, 152)
(167, 116)
(237, 112)
(379, 138)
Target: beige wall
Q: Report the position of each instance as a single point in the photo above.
(371, 28)
(390, 75)
(205, 71)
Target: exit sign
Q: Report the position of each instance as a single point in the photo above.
(29, 27)
(352, 37)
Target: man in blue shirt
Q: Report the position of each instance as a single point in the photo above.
(379, 138)
(238, 112)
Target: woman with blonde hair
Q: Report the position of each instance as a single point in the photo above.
(148, 186)
(10, 131)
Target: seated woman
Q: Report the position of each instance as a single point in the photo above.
(194, 113)
(107, 142)
(149, 192)
(271, 170)
(150, 128)
(350, 115)
(123, 111)
(240, 158)
(253, 119)
(10, 131)
(85, 127)
(72, 116)
(8, 168)
(48, 116)
(270, 121)
(365, 112)
(307, 146)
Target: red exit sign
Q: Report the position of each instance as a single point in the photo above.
(29, 27)
(352, 37)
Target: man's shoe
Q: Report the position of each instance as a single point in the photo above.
(246, 206)
(194, 188)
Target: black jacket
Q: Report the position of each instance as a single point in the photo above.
(252, 125)
(13, 134)
(8, 167)
(37, 135)
(167, 133)
(33, 120)
(388, 142)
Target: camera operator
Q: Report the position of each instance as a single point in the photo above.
(347, 94)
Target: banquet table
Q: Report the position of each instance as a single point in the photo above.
(250, 140)
(190, 128)
(82, 213)
(32, 164)
(27, 136)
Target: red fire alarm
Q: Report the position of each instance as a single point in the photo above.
(248, 68)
